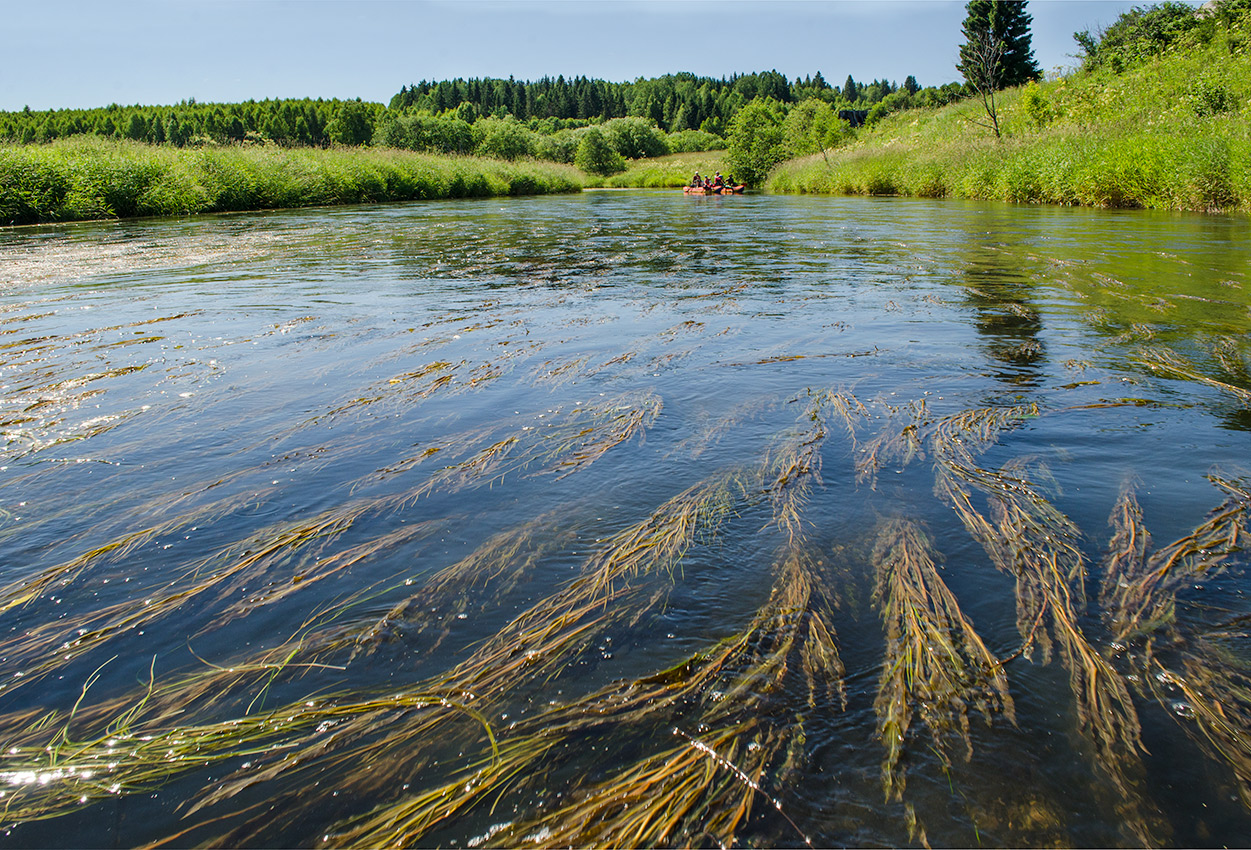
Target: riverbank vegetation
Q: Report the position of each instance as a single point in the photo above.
(89, 178)
(1156, 117)
(600, 127)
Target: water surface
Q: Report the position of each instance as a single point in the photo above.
(382, 524)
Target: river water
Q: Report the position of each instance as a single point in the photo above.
(627, 518)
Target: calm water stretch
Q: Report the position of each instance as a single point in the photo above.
(627, 518)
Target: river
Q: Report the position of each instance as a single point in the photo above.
(628, 518)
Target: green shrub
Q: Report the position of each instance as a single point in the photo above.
(353, 124)
(503, 138)
(694, 141)
(424, 132)
(1035, 106)
(756, 140)
(635, 138)
(561, 146)
(596, 156)
(813, 126)
(1142, 33)
(1210, 97)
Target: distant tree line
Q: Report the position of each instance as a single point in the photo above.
(674, 102)
(288, 122)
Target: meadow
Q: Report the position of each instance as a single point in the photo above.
(1172, 133)
(84, 177)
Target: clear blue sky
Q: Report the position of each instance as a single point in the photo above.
(85, 53)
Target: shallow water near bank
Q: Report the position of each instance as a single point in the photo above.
(627, 518)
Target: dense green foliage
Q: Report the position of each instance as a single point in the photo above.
(767, 131)
(1005, 25)
(507, 119)
(1172, 131)
(596, 156)
(757, 140)
(1147, 32)
(674, 104)
(89, 178)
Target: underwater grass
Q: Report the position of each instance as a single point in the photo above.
(282, 560)
(1139, 590)
(936, 664)
(704, 787)
(705, 751)
(1170, 363)
(1197, 674)
(1026, 537)
(351, 732)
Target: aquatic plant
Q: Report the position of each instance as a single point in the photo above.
(1196, 673)
(1026, 537)
(936, 664)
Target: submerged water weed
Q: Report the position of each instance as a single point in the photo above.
(1209, 693)
(45, 648)
(898, 443)
(480, 580)
(133, 754)
(691, 786)
(276, 585)
(1169, 363)
(794, 467)
(597, 427)
(25, 591)
(1233, 360)
(364, 730)
(280, 561)
(568, 442)
(727, 680)
(351, 732)
(712, 430)
(1026, 537)
(936, 664)
(1199, 675)
(1140, 591)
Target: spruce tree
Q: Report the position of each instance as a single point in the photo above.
(999, 22)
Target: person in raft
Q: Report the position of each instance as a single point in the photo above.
(696, 181)
(717, 182)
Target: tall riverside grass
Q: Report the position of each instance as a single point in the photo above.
(87, 178)
(1148, 137)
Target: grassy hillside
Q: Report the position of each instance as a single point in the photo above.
(89, 178)
(1173, 132)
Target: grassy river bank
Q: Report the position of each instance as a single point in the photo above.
(87, 178)
(1172, 133)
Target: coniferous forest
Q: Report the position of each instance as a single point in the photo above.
(672, 103)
